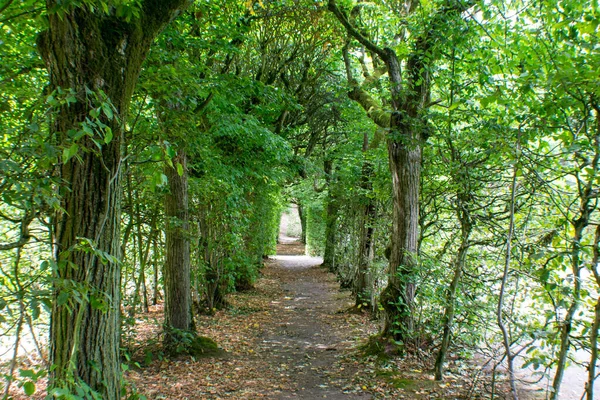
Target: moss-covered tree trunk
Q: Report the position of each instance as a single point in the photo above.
(89, 52)
(178, 316)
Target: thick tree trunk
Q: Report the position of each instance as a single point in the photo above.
(409, 98)
(178, 315)
(398, 297)
(87, 54)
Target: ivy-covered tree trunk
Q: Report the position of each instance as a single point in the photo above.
(176, 274)
(89, 54)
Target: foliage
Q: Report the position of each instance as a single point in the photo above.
(261, 100)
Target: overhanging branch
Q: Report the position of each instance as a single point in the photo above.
(332, 6)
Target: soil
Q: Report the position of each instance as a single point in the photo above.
(285, 339)
(291, 337)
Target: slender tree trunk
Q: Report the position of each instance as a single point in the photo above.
(499, 312)
(459, 266)
(565, 330)
(367, 229)
(155, 274)
(177, 261)
(140, 282)
(596, 323)
(22, 313)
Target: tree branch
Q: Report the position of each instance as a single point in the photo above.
(380, 116)
(156, 14)
(24, 235)
(5, 6)
(341, 16)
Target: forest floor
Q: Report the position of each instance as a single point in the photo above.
(292, 337)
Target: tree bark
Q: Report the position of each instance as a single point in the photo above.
(302, 216)
(330, 233)
(466, 225)
(596, 322)
(587, 205)
(331, 217)
(367, 229)
(87, 52)
(398, 297)
(176, 274)
(408, 102)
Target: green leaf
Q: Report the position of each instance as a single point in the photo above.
(62, 298)
(27, 373)
(70, 152)
(107, 111)
(108, 135)
(179, 169)
(29, 388)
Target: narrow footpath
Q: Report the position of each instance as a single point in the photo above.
(307, 341)
(288, 338)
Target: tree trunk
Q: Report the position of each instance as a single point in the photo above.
(302, 216)
(330, 233)
(331, 217)
(596, 323)
(365, 248)
(155, 293)
(459, 266)
(88, 54)
(178, 315)
(398, 297)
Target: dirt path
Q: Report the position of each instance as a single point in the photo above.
(290, 338)
(307, 341)
(286, 339)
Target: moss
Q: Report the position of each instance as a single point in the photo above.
(381, 348)
(203, 346)
(413, 383)
(405, 383)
